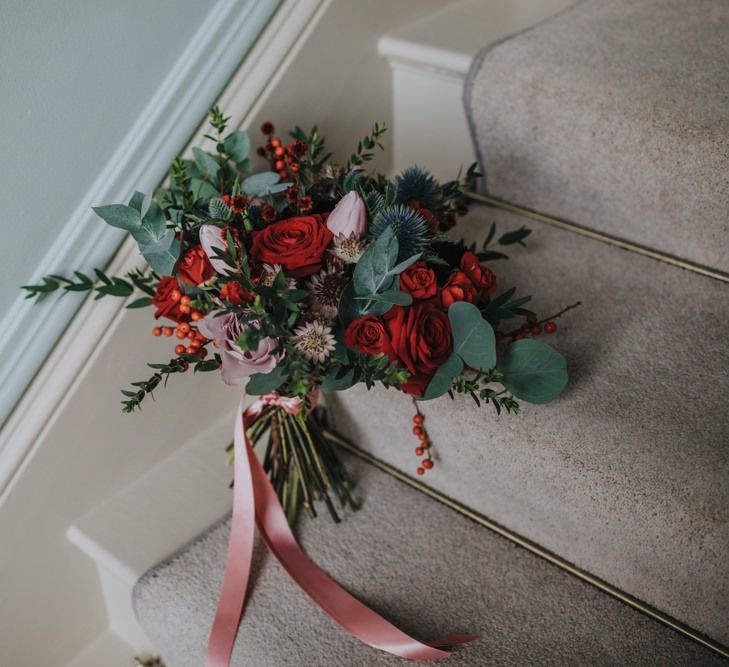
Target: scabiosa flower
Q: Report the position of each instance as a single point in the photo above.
(269, 213)
(305, 204)
(348, 248)
(314, 341)
(325, 290)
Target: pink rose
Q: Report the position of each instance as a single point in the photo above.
(349, 217)
(238, 364)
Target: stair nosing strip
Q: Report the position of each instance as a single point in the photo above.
(533, 547)
(603, 237)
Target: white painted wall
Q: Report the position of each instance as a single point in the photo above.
(84, 86)
(74, 77)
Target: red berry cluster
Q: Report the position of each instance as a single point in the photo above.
(283, 159)
(535, 327)
(184, 330)
(424, 447)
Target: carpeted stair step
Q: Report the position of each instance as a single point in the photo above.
(625, 474)
(614, 115)
(424, 566)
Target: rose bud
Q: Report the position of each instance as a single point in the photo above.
(458, 288)
(349, 217)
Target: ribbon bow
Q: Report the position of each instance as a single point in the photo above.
(255, 503)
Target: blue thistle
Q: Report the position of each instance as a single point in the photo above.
(418, 185)
(411, 229)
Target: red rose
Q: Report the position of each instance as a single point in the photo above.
(458, 288)
(368, 335)
(421, 339)
(429, 216)
(418, 281)
(195, 267)
(297, 244)
(166, 305)
(482, 277)
(235, 293)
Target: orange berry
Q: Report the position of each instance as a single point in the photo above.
(180, 334)
(157, 331)
(190, 350)
(279, 165)
(283, 173)
(294, 168)
(279, 151)
(168, 331)
(184, 327)
(276, 142)
(418, 419)
(175, 295)
(179, 349)
(196, 315)
(185, 300)
(185, 310)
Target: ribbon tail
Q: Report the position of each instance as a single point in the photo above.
(354, 616)
(255, 502)
(240, 553)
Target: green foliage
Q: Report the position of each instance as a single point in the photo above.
(238, 146)
(264, 383)
(162, 373)
(479, 390)
(412, 231)
(367, 145)
(375, 281)
(103, 286)
(156, 242)
(533, 371)
(418, 185)
(442, 381)
(503, 307)
(263, 184)
(473, 337)
(487, 254)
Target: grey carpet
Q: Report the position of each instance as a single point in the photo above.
(626, 474)
(423, 566)
(615, 115)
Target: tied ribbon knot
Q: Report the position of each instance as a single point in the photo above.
(255, 503)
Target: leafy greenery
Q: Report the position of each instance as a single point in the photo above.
(533, 371)
(473, 337)
(103, 286)
(479, 390)
(162, 373)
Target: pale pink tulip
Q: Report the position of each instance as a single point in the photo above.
(349, 217)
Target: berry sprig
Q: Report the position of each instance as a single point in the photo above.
(535, 327)
(425, 446)
(284, 159)
(185, 330)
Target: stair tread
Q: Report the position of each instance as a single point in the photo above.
(614, 115)
(442, 574)
(625, 473)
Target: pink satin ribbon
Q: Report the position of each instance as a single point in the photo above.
(255, 501)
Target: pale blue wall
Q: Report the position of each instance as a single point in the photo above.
(74, 76)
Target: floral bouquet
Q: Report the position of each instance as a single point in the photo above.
(311, 276)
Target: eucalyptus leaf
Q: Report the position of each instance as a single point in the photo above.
(206, 163)
(120, 216)
(238, 145)
(533, 371)
(163, 255)
(393, 297)
(336, 382)
(202, 189)
(473, 337)
(260, 184)
(263, 383)
(442, 381)
(137, 201)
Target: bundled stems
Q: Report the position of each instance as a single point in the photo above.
(301, 462)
